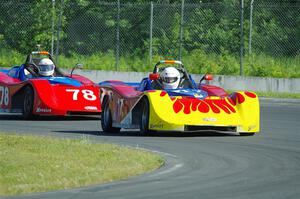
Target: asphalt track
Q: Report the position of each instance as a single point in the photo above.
(199, 165)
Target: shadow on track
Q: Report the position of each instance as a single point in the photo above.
(156, 134)
(49, 118)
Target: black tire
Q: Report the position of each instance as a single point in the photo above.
(106, 119)
(246, 134)
(144, 121)
(27, 110)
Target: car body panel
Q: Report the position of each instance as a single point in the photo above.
(189, 107)
(237, 110)
(63, 95)
(182, 109)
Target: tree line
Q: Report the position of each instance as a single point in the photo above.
(89, 26)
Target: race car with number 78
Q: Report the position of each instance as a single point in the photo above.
(39, 87)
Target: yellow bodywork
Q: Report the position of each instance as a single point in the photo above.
(243, 115)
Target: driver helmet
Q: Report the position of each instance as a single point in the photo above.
(170, 78)
(46, 67)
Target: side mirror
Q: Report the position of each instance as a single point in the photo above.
(207, 77)
(153, 76)
(77, 66)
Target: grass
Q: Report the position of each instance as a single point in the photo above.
(278, 95)
(273, 94)
(197, 62)
(38, 164)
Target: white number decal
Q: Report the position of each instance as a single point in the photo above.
(87, 94)
(75, 94)
(4, 99)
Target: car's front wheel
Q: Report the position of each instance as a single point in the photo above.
(106, 118)
(144, 121)
(27, 111)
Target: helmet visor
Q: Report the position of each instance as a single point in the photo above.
(170, 79)
(45, 68)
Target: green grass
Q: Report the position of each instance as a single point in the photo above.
(11, 58)
(273, 94)
(278, 95)
(197, 62)
(37, 164)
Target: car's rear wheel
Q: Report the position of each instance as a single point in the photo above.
(106, 118)
(27, 111)
(144, 122)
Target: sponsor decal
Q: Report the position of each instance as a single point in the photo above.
(152, 126)
(209, 119)
(90, 108)
(198, 95)
(43, 110)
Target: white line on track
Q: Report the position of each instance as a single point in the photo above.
(166, 170)
(172, 169)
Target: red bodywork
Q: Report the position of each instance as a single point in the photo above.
(213, 90)
(50, 99)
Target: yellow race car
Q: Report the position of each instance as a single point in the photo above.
(170, 100)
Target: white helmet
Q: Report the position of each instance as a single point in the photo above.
(170, 78)
(46, 67)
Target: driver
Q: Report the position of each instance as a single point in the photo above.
(46, 67)
(170, 78)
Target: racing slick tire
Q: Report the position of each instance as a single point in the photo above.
(106, 119)
(27, 110)
(144, 122)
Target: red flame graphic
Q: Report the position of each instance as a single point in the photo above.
(188, 104)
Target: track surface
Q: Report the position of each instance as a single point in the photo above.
(203, 165)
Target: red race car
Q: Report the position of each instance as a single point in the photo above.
(39, 87)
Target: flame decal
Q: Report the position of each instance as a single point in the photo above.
(213, 107)
(249, 94)
(177, 106)
(188, 104)
(203, 107)
(227, 108)
(163, 93)
(236, 98)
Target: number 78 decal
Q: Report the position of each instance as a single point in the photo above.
(87, 94)
(4, 97)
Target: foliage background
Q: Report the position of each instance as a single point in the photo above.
(110, 36)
